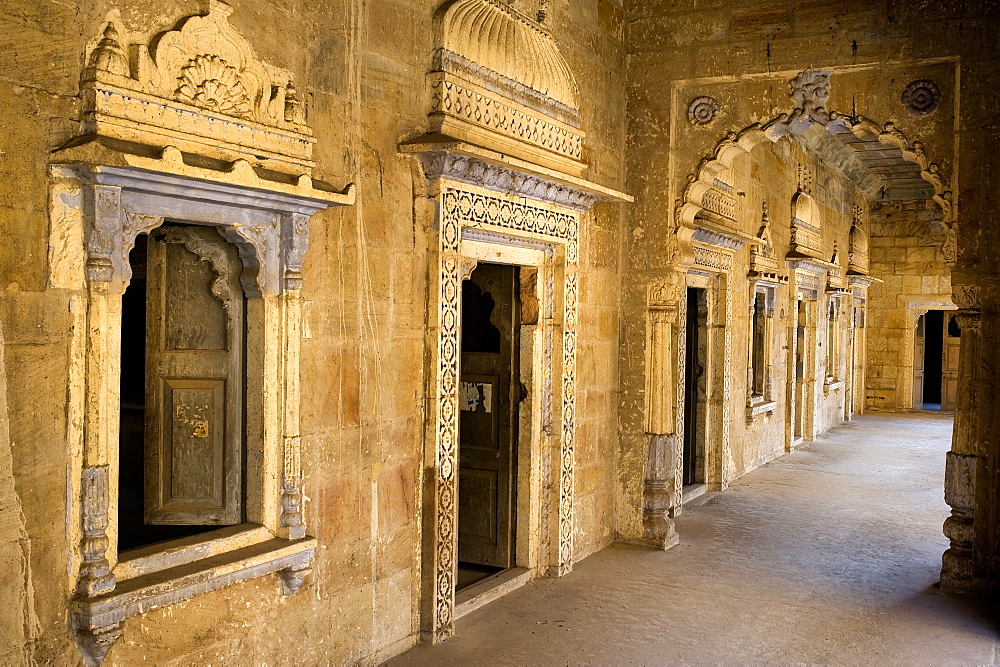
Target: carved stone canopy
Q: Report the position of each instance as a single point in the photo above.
(496, 39)
(499, 81)
(199, 88)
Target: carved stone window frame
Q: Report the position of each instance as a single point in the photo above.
(719, 464)
(479, 224)
(96, 214)
(806, 280)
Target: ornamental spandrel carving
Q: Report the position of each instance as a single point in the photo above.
(199, 88)
(922, 97)
(702, 110)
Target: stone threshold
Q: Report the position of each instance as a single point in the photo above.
(492, 588)
(693, 491)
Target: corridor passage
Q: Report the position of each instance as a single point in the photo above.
(827, 555)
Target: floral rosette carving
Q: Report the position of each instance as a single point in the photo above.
(211, 83)
(702, 110)
(922, 97)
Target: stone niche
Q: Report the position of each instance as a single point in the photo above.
(190, 128)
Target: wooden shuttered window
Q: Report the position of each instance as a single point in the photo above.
(194, 379)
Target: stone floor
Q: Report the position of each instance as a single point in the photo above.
(830, 554)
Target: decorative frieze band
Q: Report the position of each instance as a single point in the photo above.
(719, 202)
(475, 208)
(480, 108)
(715, 259)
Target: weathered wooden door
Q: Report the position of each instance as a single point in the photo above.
(194, 387)
(918, 363)
(489, 396)
(949, 362)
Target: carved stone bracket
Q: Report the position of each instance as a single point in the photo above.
(466, 266)
(293, 577)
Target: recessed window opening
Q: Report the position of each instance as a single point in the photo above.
(832, 343)
(758, 356)
(695, 387)
(181, 445)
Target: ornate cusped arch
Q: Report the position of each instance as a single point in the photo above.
(810, 90)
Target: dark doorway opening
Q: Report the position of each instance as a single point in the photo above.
(798, 389)
(933, 350)
(695, 387)
(489, 395)
(133, 531)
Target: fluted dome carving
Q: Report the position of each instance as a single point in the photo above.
(495, 36)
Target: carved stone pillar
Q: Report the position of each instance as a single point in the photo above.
(95, 572)
(295, 240)
(659, 483)
(957, 569)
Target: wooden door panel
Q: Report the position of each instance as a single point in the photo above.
(478, 496)
(191, 292)
(949, 363)
(918, 364)
(488, 417)
(479, 414)
(194, 379)
(192, 468)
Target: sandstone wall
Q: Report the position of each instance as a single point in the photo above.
(360, 69)
(906, 254)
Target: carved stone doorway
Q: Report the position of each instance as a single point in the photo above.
(799, 350)
(540, 242)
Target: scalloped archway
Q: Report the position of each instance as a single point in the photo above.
(810, 90)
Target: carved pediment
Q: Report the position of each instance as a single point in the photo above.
(199, 88)
(764, 268)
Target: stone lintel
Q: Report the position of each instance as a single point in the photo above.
(446, 157)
